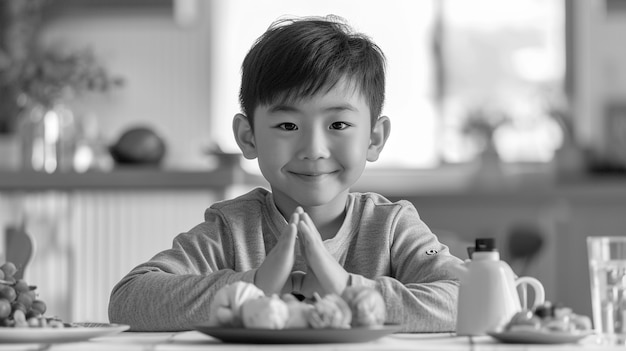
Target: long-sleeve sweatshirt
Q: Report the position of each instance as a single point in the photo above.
(381, 244)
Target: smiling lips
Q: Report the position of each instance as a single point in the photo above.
(312, 175)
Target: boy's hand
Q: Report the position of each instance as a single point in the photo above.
(276, 268)
(326, 271)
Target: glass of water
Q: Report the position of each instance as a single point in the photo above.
(607, 269)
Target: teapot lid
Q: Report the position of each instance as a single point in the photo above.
(485, 245)
(485, 249)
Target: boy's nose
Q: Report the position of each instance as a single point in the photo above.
(313, 146)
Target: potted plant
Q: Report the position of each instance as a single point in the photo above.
(480, 124)
(20, 23)
(35, 79)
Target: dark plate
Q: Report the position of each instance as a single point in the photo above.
(298, 336)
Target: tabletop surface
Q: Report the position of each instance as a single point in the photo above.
(193, 340)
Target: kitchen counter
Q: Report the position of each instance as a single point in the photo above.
(139, 178)
(225, 171)
(444, 182)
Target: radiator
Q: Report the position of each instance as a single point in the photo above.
(86, 241)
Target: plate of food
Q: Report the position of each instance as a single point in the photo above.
(539, 336)
(298, 335)
(23, 320)
(546, 324)
(242, 313)
(70, 332)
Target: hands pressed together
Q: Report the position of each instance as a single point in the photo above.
(324, 275)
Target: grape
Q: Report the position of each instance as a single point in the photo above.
(20, 318)
(19, 305)
(25, 299)
(34, 322)
(9, 269)
(7, 292)
(39, 306)
(21, 286)
(5, 308)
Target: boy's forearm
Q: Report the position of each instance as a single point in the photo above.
(272, 275)
(418, 307)
(430, 307)
(158, 301)
(276, 268)
(330, 274)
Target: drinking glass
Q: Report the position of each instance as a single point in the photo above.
(607, 269)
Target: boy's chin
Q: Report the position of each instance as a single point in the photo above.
(315, 199)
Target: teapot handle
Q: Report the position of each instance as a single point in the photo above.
(540, 294)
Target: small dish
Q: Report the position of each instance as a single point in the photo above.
(299, 335)
(538, 336)
(73, 333)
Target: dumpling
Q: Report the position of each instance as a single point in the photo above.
(266, 312)
(330, 311)
(366, 304)
(298, 312)
(225, 309)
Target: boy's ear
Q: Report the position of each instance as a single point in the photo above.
(378, 138)
(244, 136)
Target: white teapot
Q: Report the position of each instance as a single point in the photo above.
(488, 296)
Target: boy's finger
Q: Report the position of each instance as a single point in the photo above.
(305, 230)
(291, 234)
(307, 227)
(295, 218)
(307, 219)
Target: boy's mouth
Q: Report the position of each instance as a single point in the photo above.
(312, 175)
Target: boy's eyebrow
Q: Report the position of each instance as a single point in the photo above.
(341, 107)
(282, 107)
(291, 108)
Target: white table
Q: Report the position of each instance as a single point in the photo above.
(192, 341)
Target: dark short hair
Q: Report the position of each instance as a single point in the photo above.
(297, 58)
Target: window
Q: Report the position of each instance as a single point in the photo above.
(504, 67)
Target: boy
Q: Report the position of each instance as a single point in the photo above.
(311, 95)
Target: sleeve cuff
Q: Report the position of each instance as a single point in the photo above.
(359, 280)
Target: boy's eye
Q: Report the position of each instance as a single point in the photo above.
(288, 126)
(339, 125)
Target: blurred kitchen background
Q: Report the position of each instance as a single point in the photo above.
(508, 121)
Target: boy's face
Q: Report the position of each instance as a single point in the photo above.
(313, 149)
